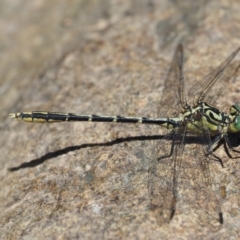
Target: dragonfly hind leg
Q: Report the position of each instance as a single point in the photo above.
(171, 150)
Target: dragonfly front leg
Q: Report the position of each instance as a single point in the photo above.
(212, 147)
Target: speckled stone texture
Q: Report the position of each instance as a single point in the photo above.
(91, 180)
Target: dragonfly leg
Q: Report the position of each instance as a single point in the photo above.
(213, 145)
(218, 159)
(228, 146)
(171, 150)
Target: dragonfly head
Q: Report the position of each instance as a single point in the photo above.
(235, 118)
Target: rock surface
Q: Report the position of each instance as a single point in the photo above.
(90, 180)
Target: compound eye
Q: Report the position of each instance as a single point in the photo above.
(237, 123)
(235, 110)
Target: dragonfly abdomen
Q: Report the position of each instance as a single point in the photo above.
(50, 117)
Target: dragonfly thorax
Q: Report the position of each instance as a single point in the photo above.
(204, 117)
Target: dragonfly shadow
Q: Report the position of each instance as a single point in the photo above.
(50, 155)
(235, 141)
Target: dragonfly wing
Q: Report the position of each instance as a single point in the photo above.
(183, 182)
(199, 180)
(222, 73)
(173, 92)
(164, 172)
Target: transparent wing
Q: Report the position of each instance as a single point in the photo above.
(164, 172)
(173, 92)
(198, 172)
(223, 72)
(183, 181)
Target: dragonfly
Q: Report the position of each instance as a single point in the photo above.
(193, 117)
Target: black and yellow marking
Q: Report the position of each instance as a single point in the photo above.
(50, 117)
